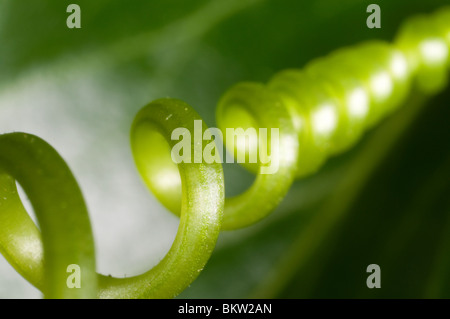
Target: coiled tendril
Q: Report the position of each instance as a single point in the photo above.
(320, 111)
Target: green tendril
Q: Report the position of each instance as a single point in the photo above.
(320, 110)
(62, 215)
(60, 210)
(196, 188)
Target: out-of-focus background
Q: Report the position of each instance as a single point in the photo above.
(385, 202)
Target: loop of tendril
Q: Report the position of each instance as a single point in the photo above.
(320, 110)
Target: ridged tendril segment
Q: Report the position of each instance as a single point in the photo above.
(330, 102)
(320, 110)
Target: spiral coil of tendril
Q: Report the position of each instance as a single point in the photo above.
(320, 111)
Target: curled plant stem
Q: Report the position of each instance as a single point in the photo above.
(202, 196)
(60, 210)
(320, 111)
(62, 215)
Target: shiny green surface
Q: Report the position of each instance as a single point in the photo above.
(67, 237)
(61, 212)
(293, 100)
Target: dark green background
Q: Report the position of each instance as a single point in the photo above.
(392, 209)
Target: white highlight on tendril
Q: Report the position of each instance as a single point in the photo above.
(358, 103)
(434, 51)
(381, 85)
(167, 179)
(289, 151)
(399, 66)
(324, 120)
